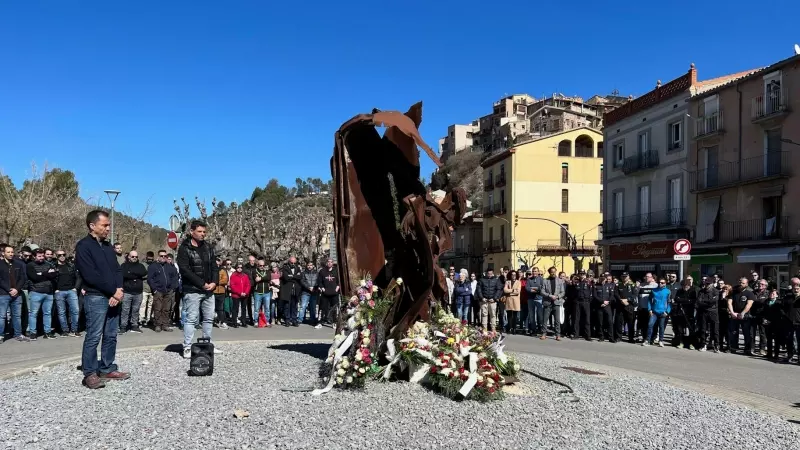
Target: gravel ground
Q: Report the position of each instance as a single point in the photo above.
(161, 407)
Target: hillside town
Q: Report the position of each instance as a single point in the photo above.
(708, 160)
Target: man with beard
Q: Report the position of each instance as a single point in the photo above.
(761, 293)
(707, 315)
(199, 272)
(118, 252)
(66, 296)
(133, 275)
(683, 330)
(12, 278)
(291, 274)
(552, 301)
(308, 298)
(739, 304)
(625, 313)
(161, 279)
(328, 285)
(41, 275)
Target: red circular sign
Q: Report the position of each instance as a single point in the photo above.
(682, 247)
(172, 240)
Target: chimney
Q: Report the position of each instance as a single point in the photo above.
(693, 73)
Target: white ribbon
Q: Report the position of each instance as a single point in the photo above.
(439, 334)
(497, 348)
(418, 372)
(473, 375)
(337, 356)
(392, 356)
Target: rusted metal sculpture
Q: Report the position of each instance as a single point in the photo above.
(386, 223)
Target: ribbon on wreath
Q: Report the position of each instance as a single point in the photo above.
(497, 349)
(337, 356)
(392, 356)
(472, 379)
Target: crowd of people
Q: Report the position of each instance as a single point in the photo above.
(705, 315)
(104, 292)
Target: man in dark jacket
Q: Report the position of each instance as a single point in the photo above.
(41, 275)
(761, 292)
(707, 315)
(199, 273)
(606, 297)
(308, 297)
(583, 300)
(12, 279)
(161, 281)
(133, 275)
(328, 286)
(291, 274)
(102, 281)
(488, 292)
(683, 315)
(67, 286)
(625, 313)
(791, 310)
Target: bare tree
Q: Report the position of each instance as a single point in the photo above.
(37, 210)
(133, 226)
(528, 257)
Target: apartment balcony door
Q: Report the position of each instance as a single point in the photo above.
(772, 152)
(618, 210)
(711, 162)
(675, 199)
(644, 206)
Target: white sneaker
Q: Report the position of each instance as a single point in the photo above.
(187, 352)
(702, 349)
(318, 326)
(217, 351)
(223, 326)
(661, 344)
(655, 341)
(645, 344)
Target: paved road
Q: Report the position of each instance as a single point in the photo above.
(760, 383)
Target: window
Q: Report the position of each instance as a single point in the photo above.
(502, 201)
(601, 173)
(771, 214)
(600, 149)
(618, 209)
(644, 205)
(619, 153)
(643, 142)
(469, 135)
(503, 236)
(564, 235)
(564, 173)
(675, 136)
(675, 201)
(565, 148)
(601, 200)
(564, 200)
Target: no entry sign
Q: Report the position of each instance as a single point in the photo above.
(172, 240)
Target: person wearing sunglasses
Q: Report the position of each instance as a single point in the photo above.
(659, 308)
(133, 275)
(66, 296)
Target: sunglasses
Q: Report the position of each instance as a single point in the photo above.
(162, 256)
(60, 255)
(133, 257)
(262, 266)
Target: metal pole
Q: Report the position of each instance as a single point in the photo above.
(680, 272)
(112, 195)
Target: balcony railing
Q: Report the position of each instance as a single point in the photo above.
(494, 246)
(488, 210)
(708, 125)
(501, 180)
(563, 247)
(488, 185)
(499, 208)
(642, 161)
(655, 220)
(771, 164)
(728, 231)
(766, 106)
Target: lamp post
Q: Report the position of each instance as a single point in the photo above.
(572, 242)
(112, 195)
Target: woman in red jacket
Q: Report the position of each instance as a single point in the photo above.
(239, 284)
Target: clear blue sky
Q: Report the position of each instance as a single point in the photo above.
(214, 98)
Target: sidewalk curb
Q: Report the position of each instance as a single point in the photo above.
(29, 369)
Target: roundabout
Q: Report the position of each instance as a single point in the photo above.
(162, 407)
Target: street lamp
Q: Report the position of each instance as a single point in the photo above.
(112, 195)
(572, 241)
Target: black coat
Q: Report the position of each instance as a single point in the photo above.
(489, 289)
(14, 268)
(290, 282)
(133, 276)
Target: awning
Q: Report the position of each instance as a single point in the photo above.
(642, 268)
(706, 219)
(617, 267)
(765, 255)
(713, 258)
(671, 266)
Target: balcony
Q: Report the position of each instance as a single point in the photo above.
(708, 126)
(642, 161)
(770, 106)
(488, 184)
(652, 221)
(494, 246)
(730, 231)
(499, 209)
(488, 210)
(501, 180)
(770, 165)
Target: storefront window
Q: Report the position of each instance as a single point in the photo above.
(777, 275)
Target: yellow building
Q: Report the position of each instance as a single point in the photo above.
(540, 194)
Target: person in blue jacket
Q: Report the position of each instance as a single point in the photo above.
(463, 295)
(659, 308)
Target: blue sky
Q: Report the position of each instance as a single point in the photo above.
(163, 99)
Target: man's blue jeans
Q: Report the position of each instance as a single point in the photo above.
(262, 299)
(15, 305)
(535, 316)
(64, 300)
(662, 324)
(192, 304)
(36, 301)
(308, 301)
(102, 321)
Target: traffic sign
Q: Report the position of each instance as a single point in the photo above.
(172, 240)
(682, 247)
(174, 223)
(682, 257)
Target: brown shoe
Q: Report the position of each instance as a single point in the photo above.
(115, 375)
(543, 337)
(93, 382)
(558, 338)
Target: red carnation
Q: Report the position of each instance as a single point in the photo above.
(433, 369)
